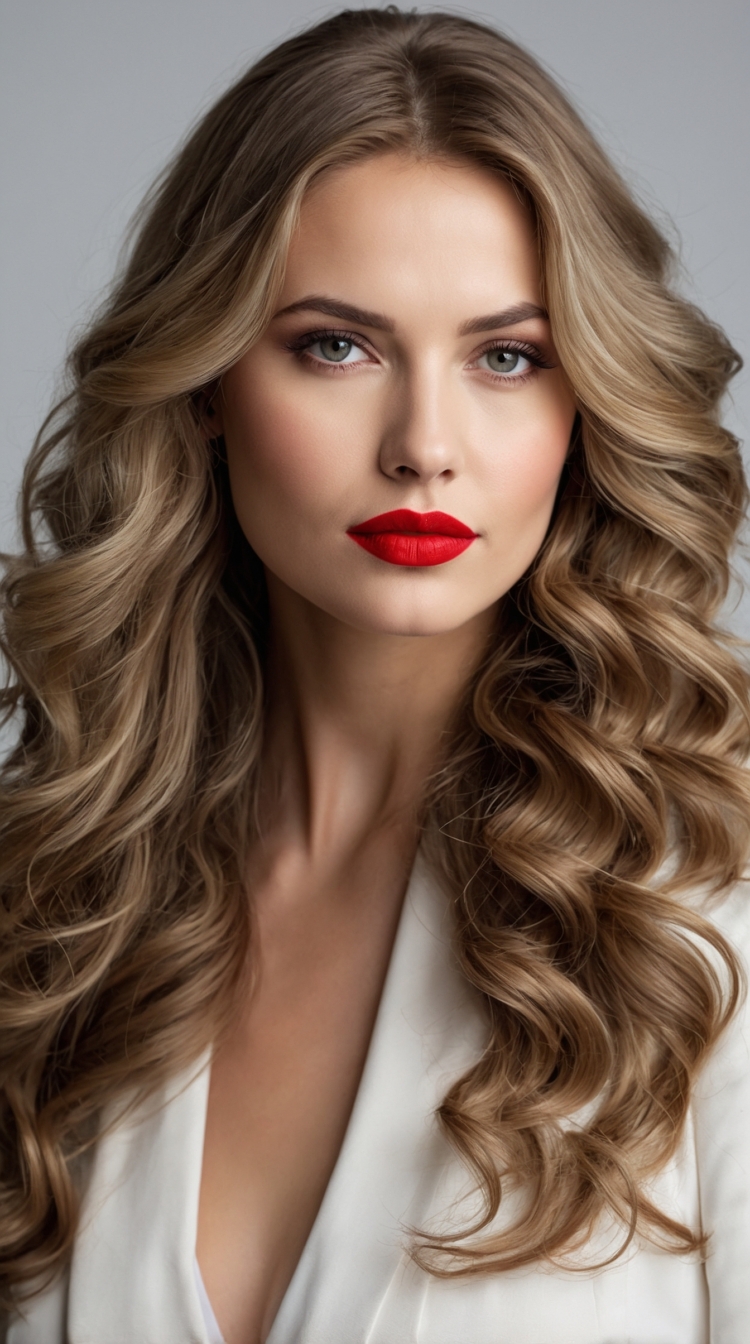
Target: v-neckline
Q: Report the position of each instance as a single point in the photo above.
(140, 1211)
(427, 1030)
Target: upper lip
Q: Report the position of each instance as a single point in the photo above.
(405, 520)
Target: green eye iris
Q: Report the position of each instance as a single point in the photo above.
(335, 348)
(503, 361)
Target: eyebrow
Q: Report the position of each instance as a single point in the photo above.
(506, 317)
(337, 308)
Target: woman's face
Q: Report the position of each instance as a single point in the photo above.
(409, 367)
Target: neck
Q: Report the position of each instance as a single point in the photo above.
(355, 724)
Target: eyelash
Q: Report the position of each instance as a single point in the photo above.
(530, 352)
(302, 344)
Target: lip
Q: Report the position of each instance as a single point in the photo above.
(403, 537)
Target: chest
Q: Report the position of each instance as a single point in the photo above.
(281, 1094)
(131, 1275)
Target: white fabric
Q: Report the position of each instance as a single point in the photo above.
(209, 1320)
(132, 1278)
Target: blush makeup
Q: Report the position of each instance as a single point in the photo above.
(403, 537)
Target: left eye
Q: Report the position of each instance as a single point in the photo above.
(505, 361)
(335, 350)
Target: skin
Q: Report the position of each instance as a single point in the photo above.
(368, 660)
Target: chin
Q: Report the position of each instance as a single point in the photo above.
(419, 614)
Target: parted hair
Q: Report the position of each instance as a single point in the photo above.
(595, 777)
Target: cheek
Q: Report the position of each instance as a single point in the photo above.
(524, 471)
(283, 454)
(270, 446)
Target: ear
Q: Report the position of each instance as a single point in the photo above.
(208, 407)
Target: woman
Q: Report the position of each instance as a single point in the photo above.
(374, 925)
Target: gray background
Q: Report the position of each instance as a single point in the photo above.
(96, 94)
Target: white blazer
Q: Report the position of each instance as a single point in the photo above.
(132, 1279)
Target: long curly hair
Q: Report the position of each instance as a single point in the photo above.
(605, 733)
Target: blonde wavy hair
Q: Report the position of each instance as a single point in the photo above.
(606, 731)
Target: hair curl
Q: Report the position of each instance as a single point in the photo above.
(607, 729)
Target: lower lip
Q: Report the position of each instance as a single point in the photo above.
(415, 549)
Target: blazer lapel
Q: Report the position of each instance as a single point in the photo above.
(131, 1276)
(132, 1272)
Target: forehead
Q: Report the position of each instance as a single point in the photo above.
(429, 230)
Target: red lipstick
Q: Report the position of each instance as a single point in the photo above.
(405, 538)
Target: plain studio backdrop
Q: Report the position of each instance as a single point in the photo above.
(97, 94)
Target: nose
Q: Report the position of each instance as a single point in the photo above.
(421, 442)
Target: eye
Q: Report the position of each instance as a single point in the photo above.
(502, 359)
(335, 350)
(330, 349)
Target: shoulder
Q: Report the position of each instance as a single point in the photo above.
(731, 914)
(729, 1062)
(721, 1119)
(731, 917)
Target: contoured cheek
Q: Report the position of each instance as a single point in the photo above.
(294, 457)
(517, 461)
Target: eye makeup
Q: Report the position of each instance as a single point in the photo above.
(302, 345)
